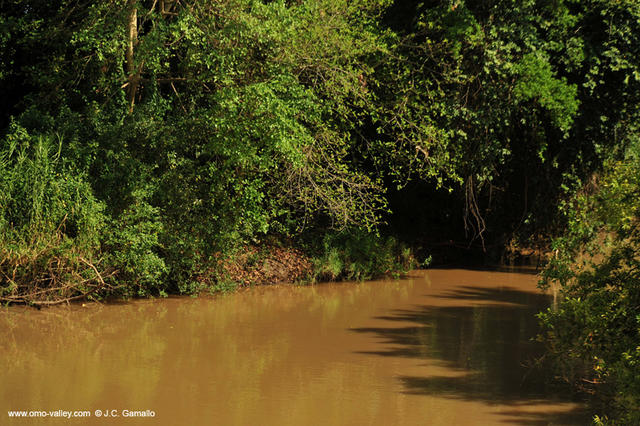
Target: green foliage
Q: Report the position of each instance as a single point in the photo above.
(132, 246)
(48, 213)
(50, 224)
(191, 129)
(40, 196)
(259, 152)
(224, 286)
(358, 255)
(536, 82)
(201, 127)
(595, 331)
(502, 102)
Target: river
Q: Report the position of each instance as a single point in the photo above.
(441, 347)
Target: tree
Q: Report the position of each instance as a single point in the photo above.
(215, 122)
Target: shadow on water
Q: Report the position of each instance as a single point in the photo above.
(480, 349)
(519, 269)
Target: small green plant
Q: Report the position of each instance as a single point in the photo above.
(224, 286)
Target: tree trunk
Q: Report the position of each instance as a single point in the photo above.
(133, 75)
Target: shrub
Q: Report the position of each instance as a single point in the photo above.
(594, 332)
(50, 225)
(132, 246)
(358, 255)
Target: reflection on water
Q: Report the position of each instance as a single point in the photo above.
(443, 347)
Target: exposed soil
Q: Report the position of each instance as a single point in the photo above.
(268, 264)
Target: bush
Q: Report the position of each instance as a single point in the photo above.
(594, 332)
(132, 246)
(50, 225)
(359, 255)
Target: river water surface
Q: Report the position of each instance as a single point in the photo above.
(442, 347)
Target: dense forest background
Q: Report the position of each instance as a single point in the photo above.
(144, 144)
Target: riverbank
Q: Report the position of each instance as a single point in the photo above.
(49, 273)
(336, 257)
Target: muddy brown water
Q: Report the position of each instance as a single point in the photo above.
(443, 347)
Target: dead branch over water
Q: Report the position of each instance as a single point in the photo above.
(50, 276)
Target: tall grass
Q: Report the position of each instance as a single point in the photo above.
(50, 225)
